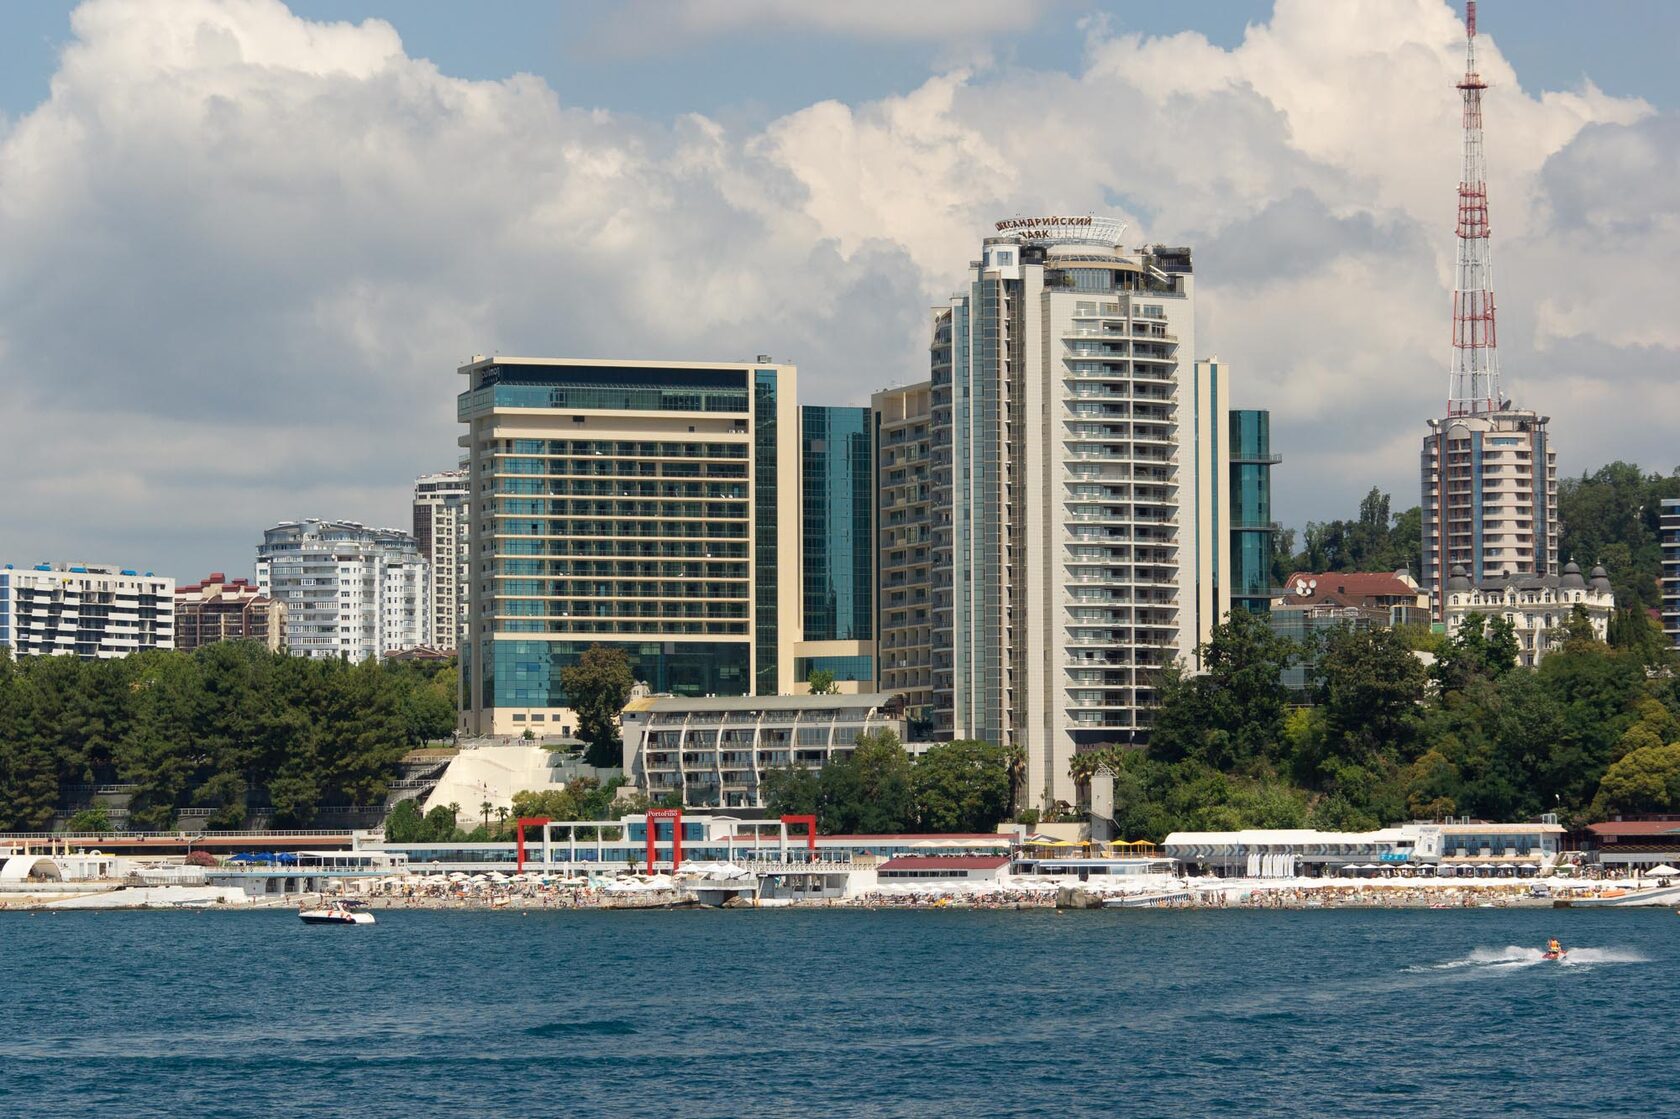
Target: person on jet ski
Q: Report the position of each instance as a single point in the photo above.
(1553, 948)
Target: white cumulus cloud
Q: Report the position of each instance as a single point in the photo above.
(241, 252)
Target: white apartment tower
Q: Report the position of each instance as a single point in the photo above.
(87, 610)
(348, 590)
(440, 532)
(1078, 473)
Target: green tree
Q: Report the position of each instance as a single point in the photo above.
(869, 790)
(1646, 780)
(598, 687)
(1371, 688)
(1231, 714)
(821, 682)
(404, 823)
(961, 786)
(90, 821)
(791, 790)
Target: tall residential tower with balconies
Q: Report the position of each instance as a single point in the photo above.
(1079, 467)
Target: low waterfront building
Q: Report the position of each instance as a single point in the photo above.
(221, 609)
(92, 611)
(1537, 606)
(1463, 847)
(936, 869)
(1626, 844)
(715, 751)
(348, 590)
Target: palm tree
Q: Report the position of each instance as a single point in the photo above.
(501, 818)
(455, 813)
(1015, 759)
(484, 814)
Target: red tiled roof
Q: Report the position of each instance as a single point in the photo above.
(1616, 829)
(950, 862)
(1356, 584)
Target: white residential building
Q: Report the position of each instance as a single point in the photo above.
(1670, 530)
(92, 611)
(1537, 606)
(348, 590)
(1079, 475)
(440, 532)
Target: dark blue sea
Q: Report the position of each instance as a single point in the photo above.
(787, 1013)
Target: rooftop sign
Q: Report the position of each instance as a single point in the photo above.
(1086, 229)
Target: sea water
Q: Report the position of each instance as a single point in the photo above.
(822, 1013)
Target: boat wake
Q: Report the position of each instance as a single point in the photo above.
(1519, 956)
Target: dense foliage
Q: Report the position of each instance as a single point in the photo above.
(959, 786)
(228, 727)
(1610, 517)
(1593, 730)
(1377, 540)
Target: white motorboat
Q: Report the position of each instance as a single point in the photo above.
(334, 913)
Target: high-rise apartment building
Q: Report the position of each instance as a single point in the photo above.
(837, 549)
(1670, 532)
(1489, 469)
(1079, 463)
(1252, 526)
(904, 517)
(348, 590)
(440, 532)
(221, 609)
(651, 506)
(91, 611)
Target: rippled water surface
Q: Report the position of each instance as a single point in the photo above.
(840, 1013)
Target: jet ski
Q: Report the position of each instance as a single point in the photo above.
(1558, 953)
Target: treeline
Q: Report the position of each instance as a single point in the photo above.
(1611, 517)
(963, 786)
(1376, 540)
(230, 727)
(1593, 731)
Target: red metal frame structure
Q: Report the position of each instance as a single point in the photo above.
(810, 823)
(519, 836)
(674, 815)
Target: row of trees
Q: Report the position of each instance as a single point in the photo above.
(1593, 730)
(228, 727)
(958, 786)
(1376, 540)
(1610, 517)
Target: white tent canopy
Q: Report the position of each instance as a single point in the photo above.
(1663, 871)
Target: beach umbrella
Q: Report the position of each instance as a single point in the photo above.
(1663, 871)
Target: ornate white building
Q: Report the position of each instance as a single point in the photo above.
(1537, 606)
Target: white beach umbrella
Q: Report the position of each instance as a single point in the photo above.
(1663, 871)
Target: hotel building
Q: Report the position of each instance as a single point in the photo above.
(1252, 526)
(716, 751)
(440, 532)
(837, 548)
(219, 609)
(1490, 494)
(1079, 463)
(904, 519)
(1537, 606)
(89, 610)
(348, 590)
(652, 506)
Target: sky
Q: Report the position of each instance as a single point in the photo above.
(244, 245)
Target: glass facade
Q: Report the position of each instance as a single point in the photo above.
(837, 536)
(1252, 526)
(527, 673)
(860, 669)
(766, 566)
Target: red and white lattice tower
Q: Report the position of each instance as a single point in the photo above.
(1475, 357)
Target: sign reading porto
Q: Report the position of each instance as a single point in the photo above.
(1093, 230)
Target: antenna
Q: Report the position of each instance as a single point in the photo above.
(1474, 383)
